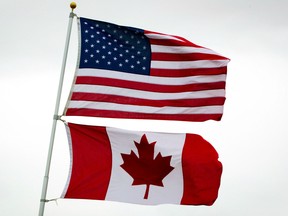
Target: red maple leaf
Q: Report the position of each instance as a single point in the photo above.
(146, 169)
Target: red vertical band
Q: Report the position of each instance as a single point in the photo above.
(201, 171)
(92, 162)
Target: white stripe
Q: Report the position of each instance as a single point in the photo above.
(145, 109)
(180, 49)
(151, 79)
(162, 37)
(189, 64)
(146, 94)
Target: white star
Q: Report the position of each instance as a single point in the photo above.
(86, 31)
(86, 41)
(132, 56)
(92, 45)
(85, 60)
(109, 63)
(92, 36)
(86, 50)
(115, 58)
(91, 55)
(120, 65)
(109, 53)
(143, 68)
(103, 57)
(132, 66)
(126, 60)
(97, 61)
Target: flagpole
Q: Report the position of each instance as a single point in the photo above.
(56, 111)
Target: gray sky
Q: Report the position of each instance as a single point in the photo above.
(251, 139)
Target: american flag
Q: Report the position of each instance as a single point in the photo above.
(127, 72)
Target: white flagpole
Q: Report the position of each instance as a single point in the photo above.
(56, 117)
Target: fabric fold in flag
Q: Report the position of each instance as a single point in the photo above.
(127, 72)
(140, 167)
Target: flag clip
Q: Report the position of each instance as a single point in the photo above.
(57, 117)
(46, 200)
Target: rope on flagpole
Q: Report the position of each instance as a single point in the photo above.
(56, 117)
(53, 200)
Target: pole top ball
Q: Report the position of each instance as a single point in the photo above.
(73, 5)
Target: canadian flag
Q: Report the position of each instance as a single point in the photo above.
(141, 167)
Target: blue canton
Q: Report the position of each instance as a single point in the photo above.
(112, 47)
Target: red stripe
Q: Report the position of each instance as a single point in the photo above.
(92, 162)
(201, 171)
(131, 115)
(148, 86)
(184, 56)
(169, 42)
(187, 72)
(76, 96)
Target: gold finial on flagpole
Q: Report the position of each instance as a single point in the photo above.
(73, 5)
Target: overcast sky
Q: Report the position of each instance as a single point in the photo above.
(251, 139)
